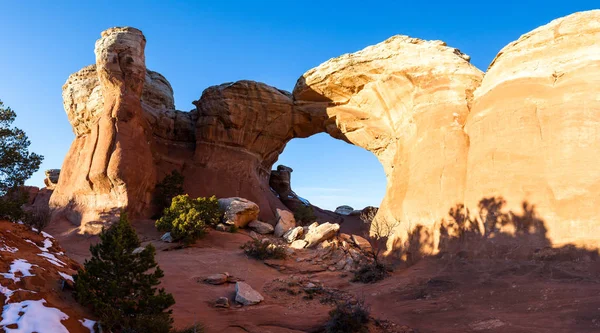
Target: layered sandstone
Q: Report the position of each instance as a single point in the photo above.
(405, 100)
(534, 127)
(109, 166)
(444, 133)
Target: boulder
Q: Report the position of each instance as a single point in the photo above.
(167, 237)
(217, 279)
(285, 222)
(321, 233)
(238, 211)
(298, 244)
(344, 210)
(222, 302)
(51, 178)
(361, 242)
(245, 295)
(291, 235)
(261, 227)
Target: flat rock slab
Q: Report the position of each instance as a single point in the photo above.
(244, 294)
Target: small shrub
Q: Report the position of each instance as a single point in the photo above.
(370, 273)
(186, 219)
(304, 215)
(263, 250)
(348, 318)
(38, 218)
(233, 229)
(167, 189)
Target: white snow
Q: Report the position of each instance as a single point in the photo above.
(66, 276)
(8, 293)
(89, 324)
(47, 235)
(32, 316)
(52, 259)
(6, 248)
(47, 244)
(18, 265)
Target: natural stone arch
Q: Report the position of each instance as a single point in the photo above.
(399, 99)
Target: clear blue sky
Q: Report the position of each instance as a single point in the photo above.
(196, 44)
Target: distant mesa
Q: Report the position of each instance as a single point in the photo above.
(444, 131)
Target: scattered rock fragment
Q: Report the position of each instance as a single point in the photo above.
(167, 238)
(222, 302)
(244, 294)
(238, 211)
(261, 227)
(291, 235)
(323, 232)
(298, 244)
(285, 222)
(217, 279)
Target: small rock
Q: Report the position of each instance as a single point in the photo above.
(323, 232)
(167, 238)
(244, 294)
(362, 243)
(238, 211)
(310, 285)
(291, 235)
(298, 244)
(222, 302)
(217, 279)
(331, 268)
(221, 227)
(313, 226)
(285, 222)
(138, 250)
(261, 227)
(340, 264)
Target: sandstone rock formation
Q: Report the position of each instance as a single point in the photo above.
(444, 133)
(534, 128)
(110, 165)
(51, 178)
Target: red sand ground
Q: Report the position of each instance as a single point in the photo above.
(435, 295)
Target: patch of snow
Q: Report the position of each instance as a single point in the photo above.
(52, 259)
(32, 316)
(18, 265)
(6, 248)
(34, 229)
(89, 324)
(66, 276)
(47, 244)
(8, 292)
(47, 235)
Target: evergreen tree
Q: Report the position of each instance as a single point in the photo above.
(120, 282)
(17, 164)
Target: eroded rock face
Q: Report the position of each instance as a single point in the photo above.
(443, 133)
(109, 166)
(534, 128)
(405, 100)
